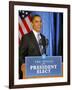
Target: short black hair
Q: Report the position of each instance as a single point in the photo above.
(36, 15)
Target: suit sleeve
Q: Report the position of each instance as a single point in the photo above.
(23, 48)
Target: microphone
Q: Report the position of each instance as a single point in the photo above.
(41, 46)
(44, 43)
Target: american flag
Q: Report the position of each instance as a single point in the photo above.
(24, 23)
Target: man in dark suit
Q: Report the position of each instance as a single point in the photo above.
(32, 44)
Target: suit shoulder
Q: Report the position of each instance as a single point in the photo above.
(42, 36)
(27, 35)
(25, 38)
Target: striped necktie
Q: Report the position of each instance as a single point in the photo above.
(40, 44)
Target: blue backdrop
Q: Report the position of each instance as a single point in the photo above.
(52, 28)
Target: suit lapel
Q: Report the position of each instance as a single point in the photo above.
(34, 42)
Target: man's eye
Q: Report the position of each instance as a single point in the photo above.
(36, 21)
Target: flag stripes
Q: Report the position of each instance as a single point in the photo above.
(24, 23)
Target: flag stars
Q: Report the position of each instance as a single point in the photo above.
(26, 13)
(22, 16)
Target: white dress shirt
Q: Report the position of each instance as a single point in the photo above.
(38, 37)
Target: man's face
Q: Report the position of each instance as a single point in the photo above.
(37, 23)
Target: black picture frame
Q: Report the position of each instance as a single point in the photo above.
(11, 43)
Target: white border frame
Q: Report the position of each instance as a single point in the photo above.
(18, 81)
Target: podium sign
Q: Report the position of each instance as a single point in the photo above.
(43, 66)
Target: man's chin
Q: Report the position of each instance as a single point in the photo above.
(38, 30)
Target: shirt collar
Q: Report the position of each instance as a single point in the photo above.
(35, 33)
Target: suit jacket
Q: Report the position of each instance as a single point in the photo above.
(29, 46)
